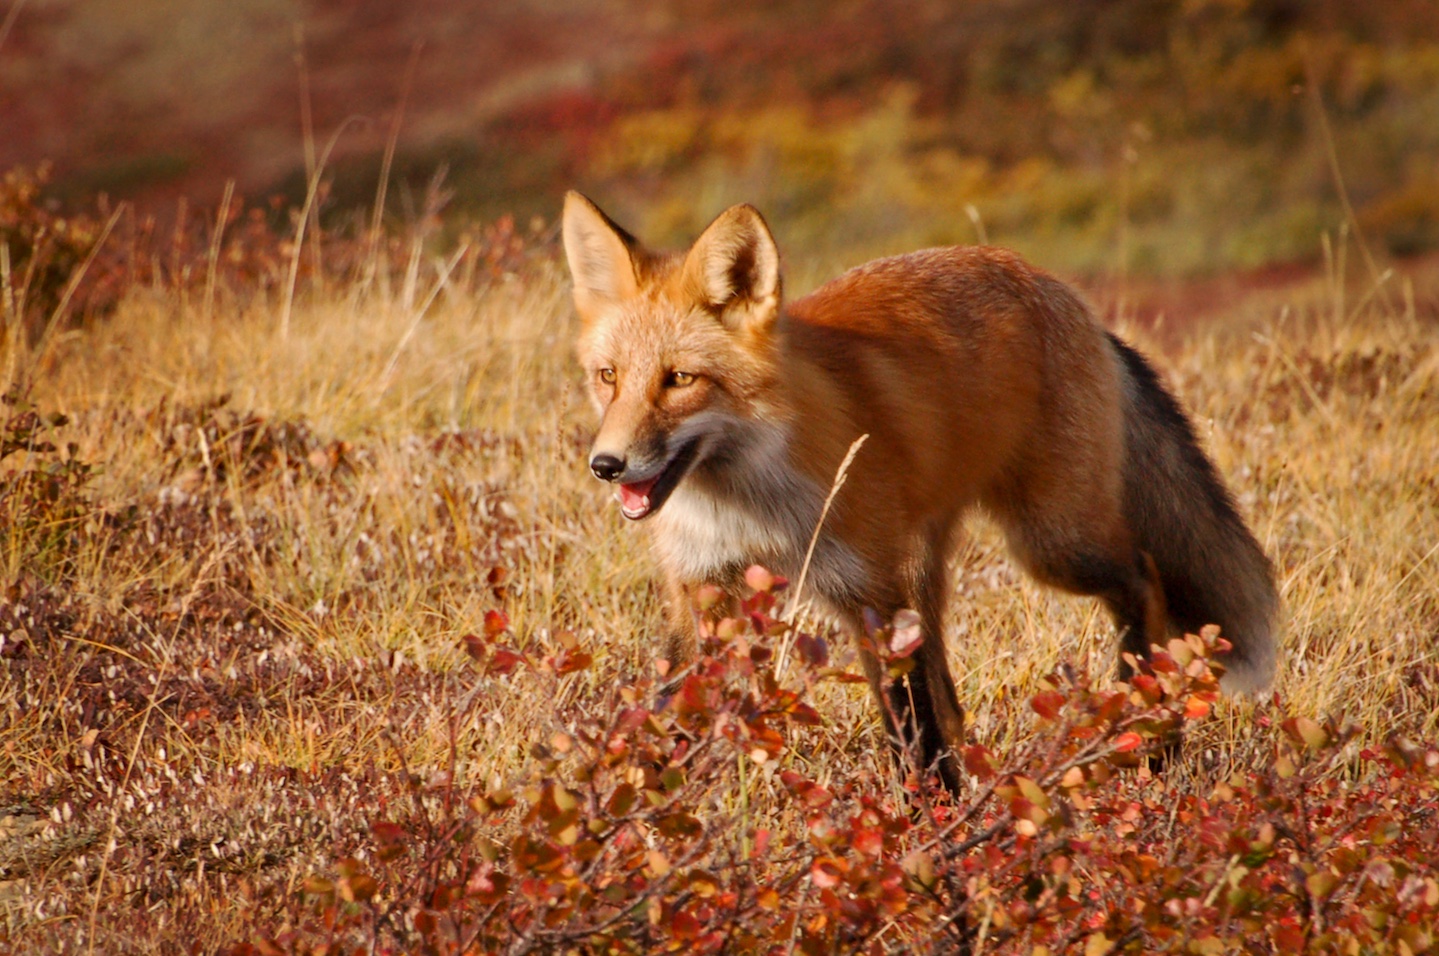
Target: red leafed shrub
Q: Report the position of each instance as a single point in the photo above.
(619, 839)
(61, 265)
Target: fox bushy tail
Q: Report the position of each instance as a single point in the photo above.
(1211, 568)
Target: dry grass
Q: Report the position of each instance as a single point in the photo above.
(214, 670)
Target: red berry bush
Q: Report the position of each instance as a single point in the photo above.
(622, 837)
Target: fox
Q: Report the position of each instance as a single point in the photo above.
(981, 383)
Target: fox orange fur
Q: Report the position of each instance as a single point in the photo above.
(981, 381)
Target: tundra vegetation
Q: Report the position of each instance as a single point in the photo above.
(317, 637)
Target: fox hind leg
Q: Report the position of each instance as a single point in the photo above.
(1069, 530)
(941, 720)
(922, 713)
(1139, 612)
(1128, 584)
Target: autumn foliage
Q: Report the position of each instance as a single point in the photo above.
(624, 836)
(316, 635)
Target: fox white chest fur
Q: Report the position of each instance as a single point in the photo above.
(751, 506)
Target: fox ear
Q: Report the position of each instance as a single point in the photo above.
(734, 267)
(600, 253)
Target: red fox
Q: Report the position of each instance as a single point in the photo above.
(981, 381)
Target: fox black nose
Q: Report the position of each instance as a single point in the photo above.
(607, 467)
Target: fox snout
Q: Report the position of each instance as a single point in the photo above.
(645, 481)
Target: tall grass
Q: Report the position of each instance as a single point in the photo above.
(242, 629)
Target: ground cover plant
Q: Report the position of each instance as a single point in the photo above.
(315, 636)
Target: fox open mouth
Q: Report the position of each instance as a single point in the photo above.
(641, 499)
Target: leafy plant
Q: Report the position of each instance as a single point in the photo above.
(619, 838)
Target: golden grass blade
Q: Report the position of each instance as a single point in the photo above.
(798, 606)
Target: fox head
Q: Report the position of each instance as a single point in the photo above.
(678, 348)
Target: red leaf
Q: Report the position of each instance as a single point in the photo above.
(1047, 704)
(1162, 663)
(868, 840)
(567, 661)
(1146, 685)
(807, 791)
(503, 661)
(1127, 741)
(496, 623)
(694, 695)
(474, 646)
(684, 926)
(812, 650)
(804, 714)
(387, 833)
(1288, 938)
(979, 762)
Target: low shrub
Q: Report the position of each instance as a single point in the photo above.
(625, 835)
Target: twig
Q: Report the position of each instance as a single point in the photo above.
(797, 605)
(1332, 154)
(43, 345)
(387, 375)
(311, 191)
(215, 239)
(386, 164)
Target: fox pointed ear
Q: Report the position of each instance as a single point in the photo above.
(600, 253)
(734, 268)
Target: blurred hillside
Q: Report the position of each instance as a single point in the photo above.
(1167, 137)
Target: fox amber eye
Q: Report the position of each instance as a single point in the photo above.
(607, 375)
(681, 379)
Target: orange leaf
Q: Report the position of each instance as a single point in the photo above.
(758, 578)
(496, 623)
(827, 872)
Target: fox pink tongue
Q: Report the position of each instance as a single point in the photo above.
(634, 499)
